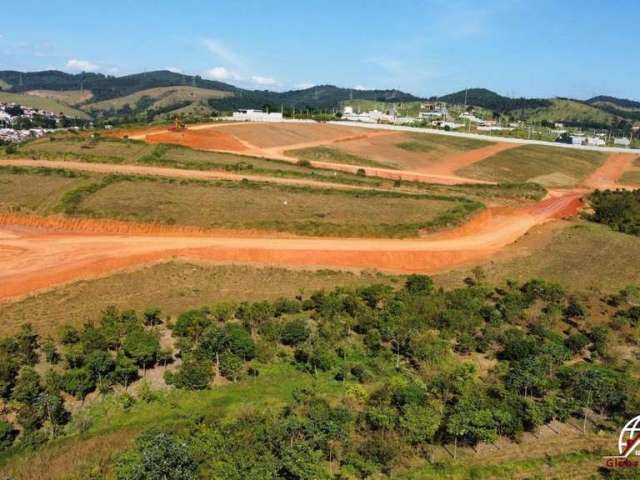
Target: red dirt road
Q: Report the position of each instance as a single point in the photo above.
(607, 176)
(35, 258)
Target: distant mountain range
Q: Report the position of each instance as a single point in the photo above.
(163, 93)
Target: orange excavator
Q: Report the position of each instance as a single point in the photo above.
(179, 124)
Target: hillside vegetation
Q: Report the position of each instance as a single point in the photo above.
(571, 112)
(43, 103)
(372, 381)
(70, 97)
(155, 101)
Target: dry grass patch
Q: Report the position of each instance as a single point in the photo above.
(34, 190)
(267, 207)
(558, 167)
(580, 256)
(173, 287)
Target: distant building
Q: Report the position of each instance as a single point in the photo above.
(577, 139)
(623, 142)
(250, 115)
(595, 141)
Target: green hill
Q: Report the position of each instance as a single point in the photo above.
(155, 101)
(621, 107)
(481, 97)
(572, 112)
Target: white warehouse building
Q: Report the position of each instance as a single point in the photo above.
(249, 115)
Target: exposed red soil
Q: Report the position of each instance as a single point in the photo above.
(209, 139)
(607, 176)
(270, 135)
(37, 258)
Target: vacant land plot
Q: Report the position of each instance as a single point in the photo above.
(266, 135)
(328, 154)
(410, 151)
(549, 166)
(78, 147)
(173, 287)
(579, 256)
(34, 190)
(266, 207)
(112, 150)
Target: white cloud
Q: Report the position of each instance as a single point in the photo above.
(174, 69)
(221, 73)
(304, 85)
(360, 87)
(76, 65)
(264, 81)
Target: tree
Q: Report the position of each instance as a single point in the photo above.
(78, 382)
(7, 435)
(125, 371)
(419, 284)
(142, 347)
(294, 332)
(419, 423)
(27, 345)
(28, 387)
(50, 351)
(191, 324)
(158, 456)
(230, 366)
(191, 375)
(152, 317)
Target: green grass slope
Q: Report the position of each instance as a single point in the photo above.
(572, 112)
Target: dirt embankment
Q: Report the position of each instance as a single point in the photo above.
(36, 254)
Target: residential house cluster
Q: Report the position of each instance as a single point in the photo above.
(18, 122)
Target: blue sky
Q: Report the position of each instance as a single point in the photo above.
(430, 47)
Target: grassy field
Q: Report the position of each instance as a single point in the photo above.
(42, 103)
(423, 142)
(35, 190)
(174, 288)
(328, 154)
(581, 257)
(111, 150)
(267, 207)
(549, 166)
(631, 178)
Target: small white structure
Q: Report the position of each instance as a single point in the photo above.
(347, 111)
(577, 139)
(622, 141)
(249, 115)
(596, 141)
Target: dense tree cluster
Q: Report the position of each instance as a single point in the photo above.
(619, 209)
(403, 358)
(400, 352)
(95, 357)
